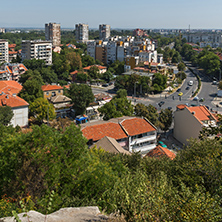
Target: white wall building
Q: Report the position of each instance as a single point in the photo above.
(104, 31)
(37, 49)
(4, 51)
(111, 52)
(91, 49)
(53, 33)
(82, 32)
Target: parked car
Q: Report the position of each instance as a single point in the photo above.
(196, 98)
(190, 83)
(187, 87)
(105, 85)
(162, 144)
(178, 90)
(180, 94)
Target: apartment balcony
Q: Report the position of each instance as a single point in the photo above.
(143, 139)
(144, 149)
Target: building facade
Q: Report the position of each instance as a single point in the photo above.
(53, 33)
(82, 32)
(104, 31)
(4, 51)
(37, 49)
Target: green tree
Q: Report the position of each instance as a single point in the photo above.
(41, 109)
(94, 72)
(6, 115)
(81, 96)
(166, 118)
(48, 75)
(159, 82)
(34, 63)
(121, 93)
(107, 76)
(30, 75)
(181, 66)
(31, 90)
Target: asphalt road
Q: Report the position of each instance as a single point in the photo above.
(208, 92)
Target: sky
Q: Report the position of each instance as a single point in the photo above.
(123, 14)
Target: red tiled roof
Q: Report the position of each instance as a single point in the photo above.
(137, 126)
(12, 101)
(12, 52)
(74, 72)
(159, 151)
(10, 86)
(50, 87)
(200, 112)
(181, 106)
(98, 66)
(11, 45)
(97, 132)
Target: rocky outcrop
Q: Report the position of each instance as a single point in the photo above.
(80, 214)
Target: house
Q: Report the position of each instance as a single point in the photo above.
(8, 97)
(160, 151)
(189, 121)
(110, 145)
(13, 71)
(102, 69)
(132, 133)
(61, 103)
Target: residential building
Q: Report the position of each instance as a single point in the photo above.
(102, 69)
(148, 56)
(4, 51)
(104, 31)
(2, 30)
(189, 121)
(82, 32)
(109, 145)
(8, 97)
(91, 49)
(12, 71)
(51, 91)
(138, 32)
(101, 52)
(37, 49)
(53, 33)
(159, 152)
(131, 62)
(111, 52)
(61, 103)
(132, 133)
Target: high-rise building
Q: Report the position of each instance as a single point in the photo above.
(37, 49)
(53, 33)
(104, 31)
(82, 32)
(3, 50)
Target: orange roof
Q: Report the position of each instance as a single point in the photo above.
(97, 132)
(181, 106)
(11, 45)
(137, 126)
(159, 151)
(12, 52)
(12, 101)
(98, 66)
(10, 86)
(50, 87)
(67, 86)
(200, 112)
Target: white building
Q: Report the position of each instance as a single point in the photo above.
(189, 121)
(82, 32)
(4, 51)
(104, 31)
(37, 49)
(53, 33)
(91, 49)
(111, 52)
(148, 56)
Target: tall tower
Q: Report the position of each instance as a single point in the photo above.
(82, 32)
(53, 33)
(104, 31)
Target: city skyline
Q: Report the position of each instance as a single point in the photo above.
(172, 14)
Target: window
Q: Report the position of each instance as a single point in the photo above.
(53, 93)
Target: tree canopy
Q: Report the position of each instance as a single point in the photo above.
(6, 115)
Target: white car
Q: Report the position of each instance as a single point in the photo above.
(190, 83)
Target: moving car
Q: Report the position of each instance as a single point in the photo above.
(180, 94)
(196, 98)
(187, 87)
(190, 83)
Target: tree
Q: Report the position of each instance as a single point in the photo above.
(6, 115)
(34, 63)
(220, 85)
(107, 76)
(181, 66)
(30, 75)
(81, 96)
(94, 72)
(159, 82)
(166, 119)
(117, 107)
(74, 60)
(41, 109)
(48, 75)
(31, 90)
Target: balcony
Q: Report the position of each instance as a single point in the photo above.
(143, 139)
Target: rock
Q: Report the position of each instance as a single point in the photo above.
(70, 214)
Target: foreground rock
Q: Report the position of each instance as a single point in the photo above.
(80, 214)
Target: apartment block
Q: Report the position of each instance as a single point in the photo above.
(91, 49)
(37, 49)
(82, 32)
(3, 50)
(111, 52)
(53, 33)
(104, 31)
